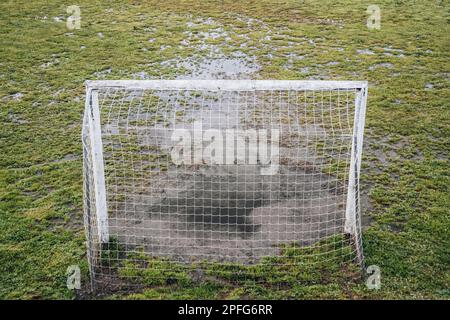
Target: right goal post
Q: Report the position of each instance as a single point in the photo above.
(208, 174)
(352, 214)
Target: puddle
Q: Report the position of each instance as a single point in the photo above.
(390, 49)
(215, 65)
(381, 65)
(365, 51)
(209, 60)
(15, 97)
(49, 63)
(219, 68)
(305, 70)
(142, 75)
(102, 73)
(67, 158)
(14, 118)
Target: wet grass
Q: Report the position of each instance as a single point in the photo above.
(405, 165)
(324, 263)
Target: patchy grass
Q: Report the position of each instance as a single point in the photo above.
(406, 168)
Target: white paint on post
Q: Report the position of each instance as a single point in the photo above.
(98, 166)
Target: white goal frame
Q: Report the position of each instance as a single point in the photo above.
(93, 123)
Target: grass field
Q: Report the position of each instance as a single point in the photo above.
(406, 175)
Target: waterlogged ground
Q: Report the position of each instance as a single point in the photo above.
(405, 166)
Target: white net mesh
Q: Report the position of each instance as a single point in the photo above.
(227, 181)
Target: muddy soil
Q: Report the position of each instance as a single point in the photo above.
(230, 213)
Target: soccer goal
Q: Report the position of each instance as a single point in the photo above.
(238, 179)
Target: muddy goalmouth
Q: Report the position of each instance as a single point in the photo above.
(222, 175)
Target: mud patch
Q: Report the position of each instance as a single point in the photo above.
(230, 214)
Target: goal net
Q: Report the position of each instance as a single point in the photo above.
(234, 179)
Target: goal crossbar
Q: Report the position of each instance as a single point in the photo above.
(233, 85)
